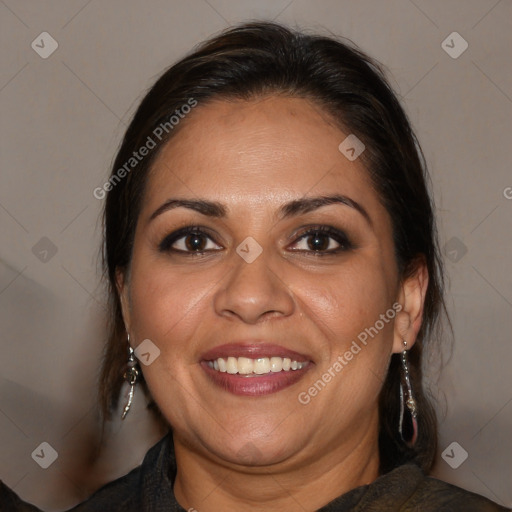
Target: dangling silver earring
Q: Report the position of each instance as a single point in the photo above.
(131, 375)
(408, 432)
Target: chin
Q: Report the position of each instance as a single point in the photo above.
(245, 445)
(255, 452)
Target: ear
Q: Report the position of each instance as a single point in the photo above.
(411, 297)
(123, 289)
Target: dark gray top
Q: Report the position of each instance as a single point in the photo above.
(149, 488)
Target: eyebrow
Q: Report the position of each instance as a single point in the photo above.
(290, 209)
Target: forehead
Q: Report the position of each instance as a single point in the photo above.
(262, 150)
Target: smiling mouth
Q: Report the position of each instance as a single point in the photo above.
(258, 377)
(255, 367)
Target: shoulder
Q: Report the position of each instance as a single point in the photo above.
(145, 487)
(120, 495)
(137, 491)
(131, 492)
(406, 488)
(10, 501)
(436, 495)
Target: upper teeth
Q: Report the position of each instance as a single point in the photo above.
(260, 366)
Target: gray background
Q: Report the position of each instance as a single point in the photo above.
(62, 120)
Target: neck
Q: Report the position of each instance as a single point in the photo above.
(209, 485)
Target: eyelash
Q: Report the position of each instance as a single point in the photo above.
(338, 236)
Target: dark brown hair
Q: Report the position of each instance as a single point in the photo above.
(262, 58)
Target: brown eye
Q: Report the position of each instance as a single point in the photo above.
(318, 242)
(188, 240)
(322, 240)
(195, 242)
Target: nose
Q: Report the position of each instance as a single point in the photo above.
(253, 292)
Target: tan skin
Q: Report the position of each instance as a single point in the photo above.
(253, 157)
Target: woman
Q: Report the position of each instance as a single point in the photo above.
(274, 275)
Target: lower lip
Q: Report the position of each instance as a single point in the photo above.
(254, 385)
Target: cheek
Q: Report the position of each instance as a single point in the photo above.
(347, 302)
(168, 305)
(169, 308)
(345, 311)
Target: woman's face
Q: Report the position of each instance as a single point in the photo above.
(269, 278)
